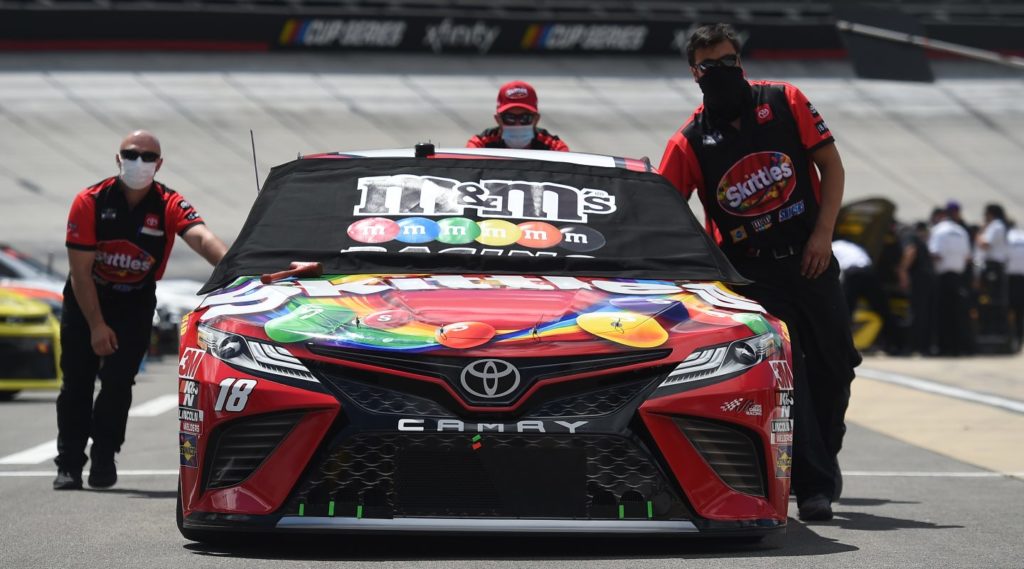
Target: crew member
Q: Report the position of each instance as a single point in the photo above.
(119, 236)
(951, 251)
(752, 153)
(517, 117)
(1015, 272)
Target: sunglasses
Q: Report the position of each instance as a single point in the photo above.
(731, 60)
(146, 156)
(511, 119)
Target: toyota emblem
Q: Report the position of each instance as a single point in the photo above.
(490, 379)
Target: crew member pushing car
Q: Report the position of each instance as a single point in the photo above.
(752, 153)
(517, 117)
(119, 236)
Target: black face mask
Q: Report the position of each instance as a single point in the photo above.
(726, 93)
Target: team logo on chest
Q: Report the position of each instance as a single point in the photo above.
(757, 183)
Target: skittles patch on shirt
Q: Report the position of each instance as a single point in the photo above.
(756, 184)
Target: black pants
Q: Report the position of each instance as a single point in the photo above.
(130, 315)
(816, 314)
(922, 313)
(1016, 286)
(952, 320)
(863, 282)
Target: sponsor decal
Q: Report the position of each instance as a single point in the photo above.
(188, 365)
(184, 327)
(152, 220)
(188, 447)
(782, 438)
(757, 184)
(328, 32)
(188, 391)
(254, 297)
(783, 461)
(121, 261)
(784, 399)
(820, 125)
(192, 415)
(712, 139)
(191, 427)
(584, 37)
(764, 114)
(732, 405)
(814, 111)
(782, 372)
(184, 205)
(782, 426)
(192, 216)
(490, 378)
(789, 212)
(234, 394)
(762, 223)
(108, 214)
(752, 409)
(517, 92)
(738, 234)
(477, 36)
(430, 425)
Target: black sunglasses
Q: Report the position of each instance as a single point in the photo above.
(514, 118)
(146, 156)
(731, 60)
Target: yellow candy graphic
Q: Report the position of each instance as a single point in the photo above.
(626, 328)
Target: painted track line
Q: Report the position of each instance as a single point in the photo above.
(47, 473)
(35, 455)
(154, 407)
(942, 389)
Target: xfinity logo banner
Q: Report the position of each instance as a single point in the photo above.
(490, 379)
(447, 35)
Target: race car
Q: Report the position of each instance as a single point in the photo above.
(29, 344)
(479, 341)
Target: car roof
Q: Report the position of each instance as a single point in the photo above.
(581, 158)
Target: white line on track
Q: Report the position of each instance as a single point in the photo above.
(45, 473)
(942, 389)
(154, 407)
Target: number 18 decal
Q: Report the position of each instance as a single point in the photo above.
(234, 394)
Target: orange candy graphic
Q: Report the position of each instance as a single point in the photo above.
(626, 328)
(463, 335)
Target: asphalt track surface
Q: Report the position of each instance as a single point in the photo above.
(935, 476)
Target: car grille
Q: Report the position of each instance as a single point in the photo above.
(27, 358)
(731, 452)
(491, 475)
(238, 448)
(595, 403)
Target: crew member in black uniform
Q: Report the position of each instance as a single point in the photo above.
(517, 117)
(119, 236)
(753, 152)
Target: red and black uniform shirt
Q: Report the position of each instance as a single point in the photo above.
(132, 245)
(542, 140)
(758, 185)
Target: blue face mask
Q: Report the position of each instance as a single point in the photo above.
(517, 136)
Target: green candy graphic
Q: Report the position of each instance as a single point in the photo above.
(308, 321)
(755, 322)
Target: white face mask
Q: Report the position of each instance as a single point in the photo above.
(517, 136)
(136, 174)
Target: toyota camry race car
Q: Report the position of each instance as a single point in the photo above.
(479, 341)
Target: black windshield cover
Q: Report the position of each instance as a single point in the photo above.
(388, 215)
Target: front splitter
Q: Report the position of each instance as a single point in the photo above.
(444, 525)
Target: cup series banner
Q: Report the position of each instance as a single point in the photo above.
(211, 31)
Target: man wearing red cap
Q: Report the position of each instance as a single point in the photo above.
(517, 118)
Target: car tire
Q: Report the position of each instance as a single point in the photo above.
(7, 395)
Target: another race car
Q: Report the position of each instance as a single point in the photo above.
(29, 344)
(500, 342)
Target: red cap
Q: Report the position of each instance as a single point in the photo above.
(517, 94)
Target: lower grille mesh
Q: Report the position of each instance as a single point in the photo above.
(238, 448)
(729, 451)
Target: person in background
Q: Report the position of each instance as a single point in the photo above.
(951, 252)
(993, 251)
(517, 117)
(1015, 273)
(916, 275)
(753, 153)
(861, 281)
(119, 236)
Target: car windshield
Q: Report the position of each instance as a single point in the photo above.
(472, 215)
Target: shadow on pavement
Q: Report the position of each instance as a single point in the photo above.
(869, 522)
(799, 541)
(135, 493)
(871, 502)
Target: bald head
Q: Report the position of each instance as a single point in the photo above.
(142, 141)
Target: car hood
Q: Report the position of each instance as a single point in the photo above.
(458, 312)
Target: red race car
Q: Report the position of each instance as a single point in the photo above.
(479, 341)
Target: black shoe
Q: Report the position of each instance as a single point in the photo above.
(817, 508)
(103, 473)
(67, 480)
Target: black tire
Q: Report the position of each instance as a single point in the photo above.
(7, 395)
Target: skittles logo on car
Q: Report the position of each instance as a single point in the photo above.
(758, 183)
